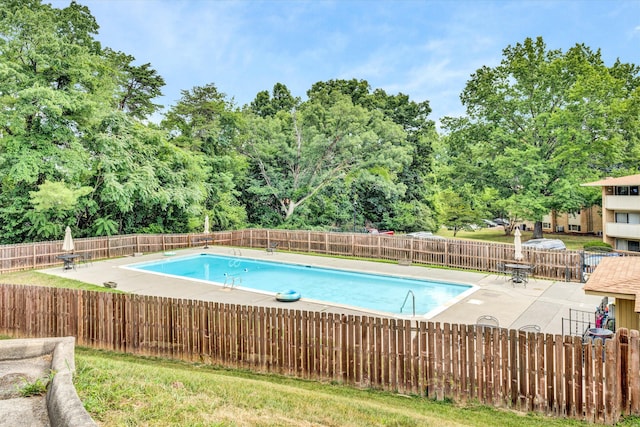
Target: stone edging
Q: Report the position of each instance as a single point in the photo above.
(63, 404)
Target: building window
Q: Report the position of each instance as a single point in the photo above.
(622, 218)
(574, 227)
(546, 225)
(633, 245)
(622, 190)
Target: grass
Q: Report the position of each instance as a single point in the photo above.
(496, 234)
(37, 387)
(125, 390)
(34, 277)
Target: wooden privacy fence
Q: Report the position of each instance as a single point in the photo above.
(553, 375)
(454, 253)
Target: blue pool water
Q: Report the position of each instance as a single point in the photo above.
(368, 291)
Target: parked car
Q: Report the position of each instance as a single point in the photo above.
(376, 231)
(424, 235)
(489, 223)
(501, 221)
(544, 244)
(592, 259)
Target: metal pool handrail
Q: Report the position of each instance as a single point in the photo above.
(405, 301)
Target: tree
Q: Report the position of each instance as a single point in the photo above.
(136, 86)
(204, 121)
(140, 180)
(541, 123)
(265, 105)
(48, 102)
(420, 134)
(294, 155)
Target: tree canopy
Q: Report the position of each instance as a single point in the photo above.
(540, 124)
(78, 145)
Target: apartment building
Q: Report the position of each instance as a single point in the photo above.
(585, 221)
(620, 211)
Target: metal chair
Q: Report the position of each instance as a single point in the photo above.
(502, 269)
(487, 321)
(86, 260)
(530, 328)
(272, 247)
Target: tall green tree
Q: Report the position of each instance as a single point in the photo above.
(47, 103)
(65, 137)
(136, 86)
(204, 121)
(266, 105)
(541, 123)
(295, 155)
(141, 181)
(420, 135)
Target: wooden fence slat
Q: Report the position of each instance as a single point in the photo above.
(634, 374)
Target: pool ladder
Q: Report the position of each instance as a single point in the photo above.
(413, 297)
(231, 281)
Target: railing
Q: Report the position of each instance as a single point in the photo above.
(413, 297)
(578, 322)
(231, 281)
(529, 372)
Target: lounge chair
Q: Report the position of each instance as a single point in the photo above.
(272, 247)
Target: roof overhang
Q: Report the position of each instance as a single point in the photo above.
(617, 277)
(622, 180)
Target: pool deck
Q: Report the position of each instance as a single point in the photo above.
(541, 302)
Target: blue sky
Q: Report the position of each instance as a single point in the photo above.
(426, 49)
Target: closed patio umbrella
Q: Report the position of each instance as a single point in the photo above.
(517, 241)
(206, 224)
(68, 241)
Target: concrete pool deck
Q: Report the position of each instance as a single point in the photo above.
(541, 302)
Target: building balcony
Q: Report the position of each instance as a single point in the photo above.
(623, 230)
(622, 203)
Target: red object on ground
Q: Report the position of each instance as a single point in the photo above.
(375, 231)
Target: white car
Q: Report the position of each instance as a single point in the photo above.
(424, 235)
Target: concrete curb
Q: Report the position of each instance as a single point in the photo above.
(63, 404)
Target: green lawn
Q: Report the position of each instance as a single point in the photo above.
(123, 390)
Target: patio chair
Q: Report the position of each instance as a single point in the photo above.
(502, 269)
(272, 248)
(530, 328)
(86, 260)
(487, 320)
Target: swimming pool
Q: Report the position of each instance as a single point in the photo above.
(374, 292)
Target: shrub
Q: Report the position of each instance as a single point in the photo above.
(597, 245)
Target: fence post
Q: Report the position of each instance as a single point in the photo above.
(622, 339)
(634, 373)
(611, 395)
